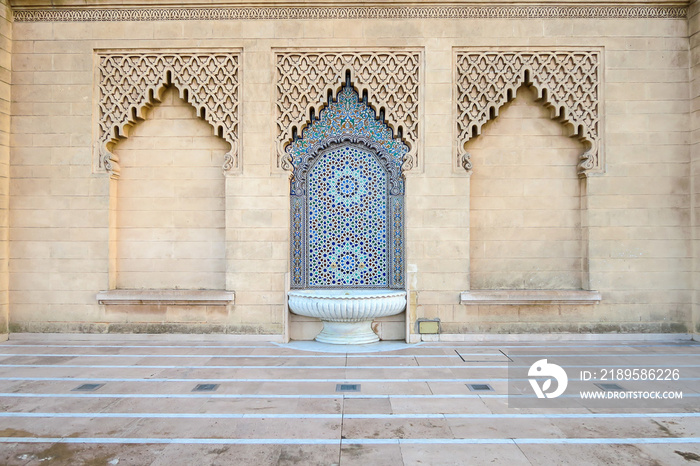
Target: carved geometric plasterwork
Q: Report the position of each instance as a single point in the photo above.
(228, 13)
(128, 82)
(569, 82)
(390, 80)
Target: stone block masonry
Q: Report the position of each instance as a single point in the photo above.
(522, 219)
(694, 26)
(5, 118)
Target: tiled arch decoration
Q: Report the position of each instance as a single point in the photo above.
(346, 194)
(569, 81)
(389, 78)
(130, 81)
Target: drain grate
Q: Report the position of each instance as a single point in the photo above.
(87, 387)
(206, 387)
(483, 357)
(347, 387)
(480, 387)
(610, 387)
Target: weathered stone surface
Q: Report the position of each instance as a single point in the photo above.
(534, 297)
(632, 232)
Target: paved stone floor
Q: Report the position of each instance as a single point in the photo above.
(278, 404)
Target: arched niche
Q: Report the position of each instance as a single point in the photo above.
(526, 223)
(170, 202)
(347, 168)
(128, 82)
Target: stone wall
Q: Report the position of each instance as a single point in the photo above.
(694, 26)
(5, 80)
(634, 233)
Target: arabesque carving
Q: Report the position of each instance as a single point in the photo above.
(567, 81)
(390, 79)
(229, 13)
(129, 82)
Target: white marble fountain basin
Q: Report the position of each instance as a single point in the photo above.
(347, 314)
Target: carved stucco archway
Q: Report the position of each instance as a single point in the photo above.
(389, 78)
(128, 82)
(568, 81)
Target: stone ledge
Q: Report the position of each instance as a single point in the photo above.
(167, 297)
(564, 337)
(520, 297)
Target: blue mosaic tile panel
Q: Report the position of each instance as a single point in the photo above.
(347, 208)
(397, 249)
(347, 227)
(298, 243)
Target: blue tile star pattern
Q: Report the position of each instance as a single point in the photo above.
(347, 199)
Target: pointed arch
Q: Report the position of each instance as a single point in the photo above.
(348, 125)
(529, 192)
(130, 82)
(347, 118)
(569, 82)
(169, 192)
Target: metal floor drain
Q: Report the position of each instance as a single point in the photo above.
(610, 387)
(500, 356)
(480, 387)
(206, 387)
(347, 387)
(87, 387)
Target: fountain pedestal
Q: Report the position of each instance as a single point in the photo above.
(347, 315)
